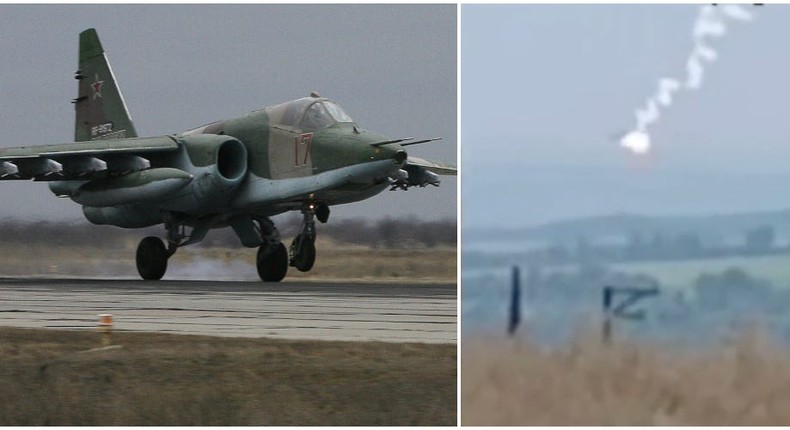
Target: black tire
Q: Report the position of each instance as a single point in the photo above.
(151, 258)
(306, 258)
(322, 213)
(272, 263)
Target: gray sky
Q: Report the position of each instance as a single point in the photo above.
(546, 87)
(393, 69)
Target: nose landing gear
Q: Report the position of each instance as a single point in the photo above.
(302, 252)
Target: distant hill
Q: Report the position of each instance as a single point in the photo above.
(622, 225)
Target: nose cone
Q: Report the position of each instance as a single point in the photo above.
(378, 147)
(393, 152)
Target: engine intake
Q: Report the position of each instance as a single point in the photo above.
(227, 155)
(219, 164)
(232, 160)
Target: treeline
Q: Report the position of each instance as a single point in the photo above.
(730, 287)
(707, 227)
(638, 246)
(635, 247)
(383, 233)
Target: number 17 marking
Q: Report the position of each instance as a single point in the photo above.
(307, 140)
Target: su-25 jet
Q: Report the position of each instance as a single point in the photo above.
(304, 155)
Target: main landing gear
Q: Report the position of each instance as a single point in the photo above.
(152, 258)
(272, 260)
(152, 254)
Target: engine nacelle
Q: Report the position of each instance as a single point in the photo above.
(204, 181)
(220, 166)
(226, 155)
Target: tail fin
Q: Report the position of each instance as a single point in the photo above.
(101, 111)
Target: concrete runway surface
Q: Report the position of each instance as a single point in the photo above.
(342, 311)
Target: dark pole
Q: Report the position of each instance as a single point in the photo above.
(515, 303)
(607, 314)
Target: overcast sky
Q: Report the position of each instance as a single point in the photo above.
(393, 69)
(547, 87)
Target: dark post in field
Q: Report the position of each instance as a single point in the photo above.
(515, 304)
(624, 308)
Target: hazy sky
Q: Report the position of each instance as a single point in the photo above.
(547, 87)
(393, 69)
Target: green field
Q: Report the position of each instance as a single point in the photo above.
(681, 274)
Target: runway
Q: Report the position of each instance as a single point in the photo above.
(341, 311)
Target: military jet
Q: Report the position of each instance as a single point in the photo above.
(304, 155)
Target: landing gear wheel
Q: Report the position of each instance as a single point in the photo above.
(304, 254)
(322, 213)
(272, 262)
(152, 258)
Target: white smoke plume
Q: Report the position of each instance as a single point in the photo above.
(711, 23)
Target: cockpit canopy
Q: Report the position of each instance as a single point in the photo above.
(308, 114)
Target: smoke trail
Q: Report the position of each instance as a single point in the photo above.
(711, 23)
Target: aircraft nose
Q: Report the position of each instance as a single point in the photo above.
(389, 152)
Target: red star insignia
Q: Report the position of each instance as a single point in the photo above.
(96, 85)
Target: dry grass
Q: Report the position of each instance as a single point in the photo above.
(159, 379)
(586, 383)
(334, 263)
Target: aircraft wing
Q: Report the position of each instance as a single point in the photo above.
(433, 166)
(81, 160)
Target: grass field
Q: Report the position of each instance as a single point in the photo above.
(774, 268)
(334, 262)
(158, 379)
(586, 383)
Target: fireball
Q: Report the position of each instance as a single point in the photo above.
(637, 142)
